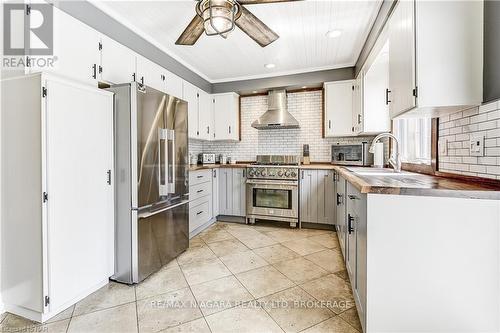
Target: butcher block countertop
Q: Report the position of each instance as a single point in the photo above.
(409, 183)
(372, 180)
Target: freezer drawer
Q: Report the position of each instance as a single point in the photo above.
(161, 238)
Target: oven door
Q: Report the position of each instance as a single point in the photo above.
(272, 198)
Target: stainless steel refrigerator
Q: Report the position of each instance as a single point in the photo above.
(152, 175)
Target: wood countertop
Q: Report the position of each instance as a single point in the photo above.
(409, 183)
(404, 183)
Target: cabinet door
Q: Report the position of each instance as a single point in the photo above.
(338, 108)
(226, 116)
(76, 47)
(206, 127)
(117, 62)
(150, 74)
(309, 196)
(238, 192)
(174, 84)
(340, 219)
(191, 96)
(81, 211)
(225, 191)
(215, 192)
(325, 196)
(376, 118)
(357, 104)
(402, 58)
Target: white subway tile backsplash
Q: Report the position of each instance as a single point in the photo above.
(306, 107)
(458, 128)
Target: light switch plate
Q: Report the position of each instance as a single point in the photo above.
(477, 145)
(443, 147)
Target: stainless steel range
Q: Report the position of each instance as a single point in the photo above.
(273, 189)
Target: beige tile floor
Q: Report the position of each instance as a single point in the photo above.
(233, 278)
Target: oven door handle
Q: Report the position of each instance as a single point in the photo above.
(291, 184)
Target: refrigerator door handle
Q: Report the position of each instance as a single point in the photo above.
(162, 162)
(143, 215)
(171, 160)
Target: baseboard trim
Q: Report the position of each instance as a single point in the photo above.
(202, 227)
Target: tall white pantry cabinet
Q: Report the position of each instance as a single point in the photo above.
(57, 197)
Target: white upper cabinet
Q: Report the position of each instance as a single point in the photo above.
(174, 84)
(226, 116)
(375, 114)
(76, 49)
(150, 74)
(191, 96)
(357, 104)
(339, 108)
(117, 62)
(206, 116)
(435, 64)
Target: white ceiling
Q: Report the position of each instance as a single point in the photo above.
(302, 46)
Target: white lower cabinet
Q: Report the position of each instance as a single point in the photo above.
(57, 211)
(340, 214)
(215, 192)
(316, 196)
(232, 194)
(200, 194)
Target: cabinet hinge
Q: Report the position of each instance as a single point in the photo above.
(45, 197)
(44, 92)
(352, 88)
(47, 300)
(198, 95)
(415, 92)
(28, 61)
(28, 9)
(100, 69)
(100, 46)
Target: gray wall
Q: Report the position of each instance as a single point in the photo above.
(310, 79)
(491, 70)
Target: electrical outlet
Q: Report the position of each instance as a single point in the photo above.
(443, 147)
(477, 145)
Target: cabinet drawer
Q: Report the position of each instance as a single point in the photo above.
(199, 176)
(199, 212)
(200, 190)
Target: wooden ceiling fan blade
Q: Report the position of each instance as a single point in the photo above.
(255, 2)
(255, 28)
(192, 32)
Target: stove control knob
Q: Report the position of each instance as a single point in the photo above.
(280, 173)
(272, 173)
(264, 173)
(287, 173)
(251, 172)
(257, 172)
(293, 174)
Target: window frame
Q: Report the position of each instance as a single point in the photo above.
(427, 169)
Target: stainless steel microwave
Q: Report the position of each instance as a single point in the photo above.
(352, 154)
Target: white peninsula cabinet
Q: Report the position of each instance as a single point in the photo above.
(432, 72)
(57, 195)
(232, 191)
(408, 265)
(338, 108)
(226, 117)
(316, 196)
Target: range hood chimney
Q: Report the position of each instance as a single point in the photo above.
(277, 115)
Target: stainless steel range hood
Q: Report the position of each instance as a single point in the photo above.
(277, 115)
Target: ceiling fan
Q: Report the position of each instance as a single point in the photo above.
(219, 17)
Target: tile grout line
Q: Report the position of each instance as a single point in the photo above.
(195, 299)
(136, 310)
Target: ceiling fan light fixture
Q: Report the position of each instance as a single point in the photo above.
(218, 16)
(269, 66)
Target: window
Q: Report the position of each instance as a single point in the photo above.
(415, 137)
